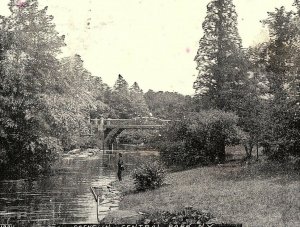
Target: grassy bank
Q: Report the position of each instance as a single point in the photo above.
(254, 195)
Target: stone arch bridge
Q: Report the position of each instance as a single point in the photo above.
(107, 130)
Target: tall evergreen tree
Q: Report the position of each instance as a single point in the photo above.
(222, 78)
(121, 85)
(120, 99)
(139, 105)
(220, 58)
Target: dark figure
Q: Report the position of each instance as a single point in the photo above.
(120, 167)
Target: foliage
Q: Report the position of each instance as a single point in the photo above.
(281, 61)
(31, 158)
(139, 104)
(184, 217)
(252, 107)
(279, 51)
(138, 137)
(46, 102)
(28, 73)
(120, 99)
(200, 138)
(263, 90)
(149, 175)
(71, 109)
(167, 105)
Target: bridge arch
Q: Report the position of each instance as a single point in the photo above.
(110, 129)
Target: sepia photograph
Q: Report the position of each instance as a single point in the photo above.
(150, 113)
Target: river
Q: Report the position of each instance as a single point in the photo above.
(64, 197)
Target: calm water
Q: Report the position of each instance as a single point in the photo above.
(62, 198)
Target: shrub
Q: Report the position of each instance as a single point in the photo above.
(179, 153)
(188, 216)
(149, 175)
(199, 138)
(280, 136)
(32, 159)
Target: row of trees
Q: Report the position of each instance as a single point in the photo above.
(248, 96)
(45, 100)
(260, 84)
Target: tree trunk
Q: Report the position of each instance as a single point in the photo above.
(248, 148)
(221, 149)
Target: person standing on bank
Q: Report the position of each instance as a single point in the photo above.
(120, 167)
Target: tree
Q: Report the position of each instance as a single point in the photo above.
(221, 82)
(121, 85)
(120, 99)
(195, 139)
(139, 104)
(220, 59)
(251, 112)
(279, 58)
(282, 66)
(100, 92)
(167, 105)
(29, 72)
(70, 109)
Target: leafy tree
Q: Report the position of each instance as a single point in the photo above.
(279, 58)
(71, 108)
(282, 66)
(100, 92)
(167, 105)
(29, 72)
(195, 139)
(251, 110)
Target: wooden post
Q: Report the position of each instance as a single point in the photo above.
(102, 133)
(97, 125)
(257, 151)
(90, 124)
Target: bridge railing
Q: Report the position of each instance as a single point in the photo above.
(98, 124)
(136, 121)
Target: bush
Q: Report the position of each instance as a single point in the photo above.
(149, 175)
(280, 136)
(179, 153)
(199, 138)
(32, 159)
(188, 216)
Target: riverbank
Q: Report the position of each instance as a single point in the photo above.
(255, 195)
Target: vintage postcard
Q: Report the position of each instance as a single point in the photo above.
(149, 113)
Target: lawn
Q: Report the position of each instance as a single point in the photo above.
(259, 194)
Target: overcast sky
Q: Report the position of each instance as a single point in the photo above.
(152, 42)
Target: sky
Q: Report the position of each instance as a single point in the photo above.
(152, 42)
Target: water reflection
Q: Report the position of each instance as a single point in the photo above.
(62, 198)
